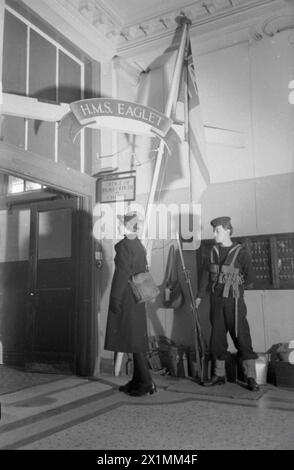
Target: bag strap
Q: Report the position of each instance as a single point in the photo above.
(214, 249)
(237, 250)
(145, 261)
(174, 273)
(170, 263)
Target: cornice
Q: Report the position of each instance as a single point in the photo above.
(124, 30)
(103, 31)
(200, 13)
(242, 23)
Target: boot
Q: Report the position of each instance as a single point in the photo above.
(252, 385)
(250, 374)
(215, 380)
(219, 377)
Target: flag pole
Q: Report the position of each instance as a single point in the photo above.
(173, 94)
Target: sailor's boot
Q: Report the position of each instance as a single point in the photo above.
(250, 374)
(219, 377)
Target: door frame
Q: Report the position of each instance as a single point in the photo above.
(34, 167)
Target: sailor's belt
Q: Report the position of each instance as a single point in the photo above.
(232, 278)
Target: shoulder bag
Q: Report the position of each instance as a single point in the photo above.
(143, 287)
(172, 295)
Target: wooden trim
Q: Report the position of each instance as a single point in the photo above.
(32, 270)
(31, 166)
(32, 108)
(3, 187)
(86, 302)
(2, 12)
(24, 199)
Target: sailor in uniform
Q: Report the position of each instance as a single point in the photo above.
(227, 273)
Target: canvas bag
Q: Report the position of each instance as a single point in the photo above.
(143, 287)
(172, 294)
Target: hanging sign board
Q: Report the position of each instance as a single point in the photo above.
(124, 116)
(116, 188)
(119, 114)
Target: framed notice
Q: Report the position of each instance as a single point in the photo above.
(116, 188)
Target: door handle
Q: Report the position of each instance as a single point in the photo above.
(33, 299)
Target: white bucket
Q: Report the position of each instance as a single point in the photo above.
(261, 365)
(287, 356)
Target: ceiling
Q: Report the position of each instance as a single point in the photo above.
(134, 29)
(128, 22)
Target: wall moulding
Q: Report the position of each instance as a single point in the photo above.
(278, 24)
(208, 33)
(31, 166)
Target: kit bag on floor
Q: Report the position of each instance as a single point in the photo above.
(153, 354)
(172, 294)
(168, 353)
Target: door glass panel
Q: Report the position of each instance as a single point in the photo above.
(54, 234)
(14, 235)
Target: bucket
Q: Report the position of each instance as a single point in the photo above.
(261, 365)
(287, 356)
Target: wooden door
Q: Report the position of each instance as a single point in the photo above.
(52, 288)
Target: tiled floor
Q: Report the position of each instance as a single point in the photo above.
(70, 412)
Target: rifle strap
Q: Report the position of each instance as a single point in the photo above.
(171, 268)
(236, 317)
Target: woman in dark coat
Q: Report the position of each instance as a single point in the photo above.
(126, 329)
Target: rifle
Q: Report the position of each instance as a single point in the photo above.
(199, 343)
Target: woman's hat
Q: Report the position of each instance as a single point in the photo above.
(132, 217)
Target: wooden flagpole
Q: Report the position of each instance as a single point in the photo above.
(173, 95)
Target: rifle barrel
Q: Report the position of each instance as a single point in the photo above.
(198, 338)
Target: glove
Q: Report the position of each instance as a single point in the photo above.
(198, 302)
(114, 306)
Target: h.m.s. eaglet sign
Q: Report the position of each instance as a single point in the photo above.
(124, 116)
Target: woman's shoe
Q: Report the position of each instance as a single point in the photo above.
(128, 386)
(142, 390)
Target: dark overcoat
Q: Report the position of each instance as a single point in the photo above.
(126, 329)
